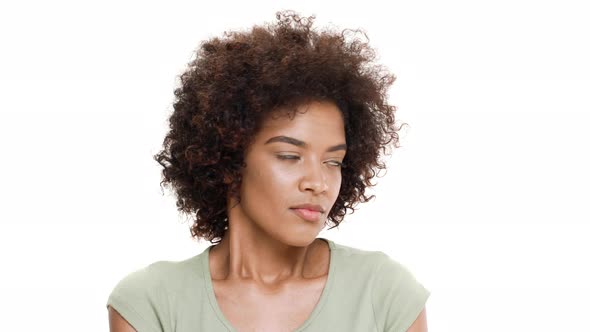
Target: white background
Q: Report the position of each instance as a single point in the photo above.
(486, 201)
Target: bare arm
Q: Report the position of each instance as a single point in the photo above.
(117, 323)
(419, 324)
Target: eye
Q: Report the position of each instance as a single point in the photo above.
(288, 157)
(335, 163)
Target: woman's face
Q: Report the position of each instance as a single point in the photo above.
(293, 162)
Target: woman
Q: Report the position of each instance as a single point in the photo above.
(275, 133)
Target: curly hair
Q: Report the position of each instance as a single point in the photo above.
(235, 81)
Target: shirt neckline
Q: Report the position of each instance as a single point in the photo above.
(312, 316)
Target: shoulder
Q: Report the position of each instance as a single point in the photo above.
(142, 297)
(398, 297)
(385, 270)
(364, 262)
(354, 256)
(160, 276)
(368, 267)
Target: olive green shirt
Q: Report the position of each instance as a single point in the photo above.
(365, 291)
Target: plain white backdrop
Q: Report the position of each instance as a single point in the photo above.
(486, 201)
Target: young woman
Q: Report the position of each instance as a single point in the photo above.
(276, 133)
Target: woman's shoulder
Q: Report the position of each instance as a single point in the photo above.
(374, 269)
(386, 270)
(164, 272)
(351, 256)
(144, 296)
(396, 296)
(159, 276)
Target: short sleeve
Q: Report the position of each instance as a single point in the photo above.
(136, 298)
(398, 298)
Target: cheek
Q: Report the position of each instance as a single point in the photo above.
(335, 185)
(266, 189)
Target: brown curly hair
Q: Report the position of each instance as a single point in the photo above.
(236, 81)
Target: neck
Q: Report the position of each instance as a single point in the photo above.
(246, 253)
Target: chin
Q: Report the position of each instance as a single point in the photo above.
(302, 240)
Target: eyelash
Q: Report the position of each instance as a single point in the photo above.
(292, 157)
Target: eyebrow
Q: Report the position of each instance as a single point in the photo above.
(302, 144)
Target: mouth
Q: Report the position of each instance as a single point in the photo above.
(307, 214)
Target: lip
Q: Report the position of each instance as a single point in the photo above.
(307, 214)
(312, 207)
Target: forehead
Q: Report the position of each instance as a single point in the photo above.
(311, 121)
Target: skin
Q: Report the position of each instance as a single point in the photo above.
(269, 270)
(271, 256)
(117, 323)
(420, 324)
(267, 243)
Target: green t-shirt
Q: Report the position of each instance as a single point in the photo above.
(365, 291)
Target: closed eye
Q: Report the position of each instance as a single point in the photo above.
(295, 157)
(288, 157)
(335, 163)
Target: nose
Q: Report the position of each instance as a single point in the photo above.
(314, 179)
